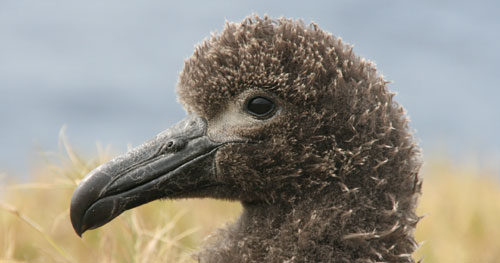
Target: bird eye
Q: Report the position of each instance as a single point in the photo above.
(259, 106)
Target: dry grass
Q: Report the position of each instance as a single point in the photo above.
(35, 224)
(462, 207)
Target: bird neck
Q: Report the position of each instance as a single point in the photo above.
(263, 233)
(316, 229)
(264, 216)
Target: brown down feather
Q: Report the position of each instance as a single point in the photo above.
(335, 178)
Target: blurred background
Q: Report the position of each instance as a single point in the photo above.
(107, 70)
(103, 72)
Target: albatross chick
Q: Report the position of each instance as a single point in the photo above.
(284, 118)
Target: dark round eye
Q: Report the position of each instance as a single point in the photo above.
(260, 106)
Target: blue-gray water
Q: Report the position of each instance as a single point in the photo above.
(108, 69)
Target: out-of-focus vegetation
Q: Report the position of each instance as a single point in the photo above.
(461, 224)
(461, 208)
(35, 224)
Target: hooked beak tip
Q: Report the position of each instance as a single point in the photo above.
(79, 231)
(78, 228)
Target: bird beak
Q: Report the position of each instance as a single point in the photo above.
(176, 163)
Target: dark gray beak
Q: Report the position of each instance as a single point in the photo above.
(177, 162)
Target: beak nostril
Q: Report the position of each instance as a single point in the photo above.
(170, 146)
(173, 145)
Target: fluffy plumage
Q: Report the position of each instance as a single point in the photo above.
(334, 178)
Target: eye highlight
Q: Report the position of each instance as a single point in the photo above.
(260, 106)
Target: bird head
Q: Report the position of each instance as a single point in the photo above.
(278, 111)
